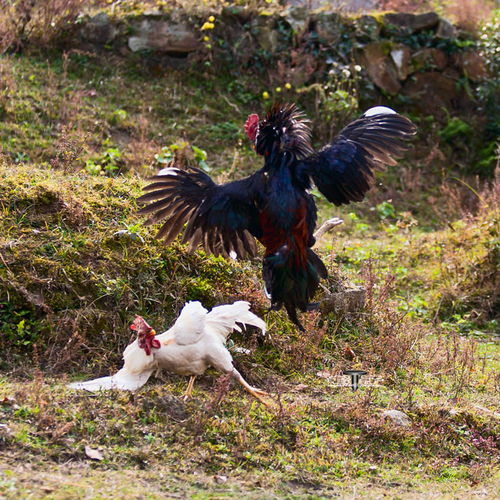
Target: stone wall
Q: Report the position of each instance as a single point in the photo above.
(420, 58)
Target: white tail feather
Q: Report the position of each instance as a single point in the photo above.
(223, 319)
(120, 380)
(136, 371)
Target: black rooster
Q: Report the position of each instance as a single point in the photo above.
(274, 205)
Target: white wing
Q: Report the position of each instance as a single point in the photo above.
(188, 328)
(223, 319)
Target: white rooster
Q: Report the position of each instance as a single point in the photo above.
(195, 342)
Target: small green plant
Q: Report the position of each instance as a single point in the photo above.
(119, 117)
(107, 163)
(386, 210)
(455, 127)
(182, 152)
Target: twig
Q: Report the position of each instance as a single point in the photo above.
(327, 226)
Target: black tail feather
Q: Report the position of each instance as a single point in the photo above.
(292, 282)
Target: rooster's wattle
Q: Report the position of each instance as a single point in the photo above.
(195, 342)
(273, 205)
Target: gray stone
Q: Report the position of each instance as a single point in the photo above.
(446, 29)
(328, 27)
(412, 22)
(343, 5)
(367, 27)
(164, 36)
(397, 417)
(267, 37)
(349, 300)
(297, 18)
(99, 29)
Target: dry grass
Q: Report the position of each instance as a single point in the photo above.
(39, 22)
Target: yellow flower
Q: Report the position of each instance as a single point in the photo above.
(211, 19)
(206, 38)
(269, 1)
(288, 86)
(208, 26)
(278, 89)
(265, 95)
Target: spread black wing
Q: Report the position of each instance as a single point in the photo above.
(343, 170)
(222, 218)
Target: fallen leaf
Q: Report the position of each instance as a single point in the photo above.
(93, 453)
(323, 374)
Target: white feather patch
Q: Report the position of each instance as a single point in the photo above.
(168, 171)
(379, 110)
(190, 323)
(223, 319)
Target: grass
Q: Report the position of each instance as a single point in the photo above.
(76, 264)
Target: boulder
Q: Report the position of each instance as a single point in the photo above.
(367, 28)
(348, 300)
(297, 18)
(429, 58)
(328, 26)
(412, 22)
(164, 36)
(99, 29)
(433, 92)
(345, 5)
(380, 67)
(401, 55)
(264, 32)
(446, 29)
(472, 65)
(304, 66)
(397, 417)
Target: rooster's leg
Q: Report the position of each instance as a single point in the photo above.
(256, 393)
(189, 391)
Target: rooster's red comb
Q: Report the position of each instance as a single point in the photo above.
(252, 126)
(140, 324)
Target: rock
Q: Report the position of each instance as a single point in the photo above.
(93, 453)
(412, 22)
(401, 55)
(99, 29)
(304, 66)
(472, 65)
(346, 6)
(328, 26)
(297, 18)
(429, 58)
(265, 34)
(346, 301)
(164, 36)
(446, 29)
(432, 92)
(367, 28)
(125, 234)
(380, 68)
(397, 417)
